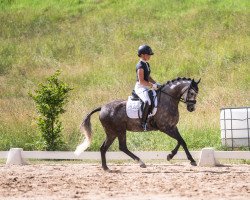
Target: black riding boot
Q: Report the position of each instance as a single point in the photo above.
(145, 116)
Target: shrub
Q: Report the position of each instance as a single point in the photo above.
(50, 99)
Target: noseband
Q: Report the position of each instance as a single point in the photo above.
(187, 101)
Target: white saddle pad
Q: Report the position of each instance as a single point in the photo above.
(133, 108)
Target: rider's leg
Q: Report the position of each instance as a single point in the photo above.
(142, 92)
(145, 115)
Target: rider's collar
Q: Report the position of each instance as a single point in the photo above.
(143, 60)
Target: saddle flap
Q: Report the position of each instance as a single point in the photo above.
(133, 104)
(133, 108)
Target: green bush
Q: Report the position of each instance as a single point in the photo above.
(50, 99)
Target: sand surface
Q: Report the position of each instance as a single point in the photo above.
(126, 182)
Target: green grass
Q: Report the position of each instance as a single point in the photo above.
(94, 43)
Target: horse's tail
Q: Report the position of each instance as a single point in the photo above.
(86, 130)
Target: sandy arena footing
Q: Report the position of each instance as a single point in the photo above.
(127, 182)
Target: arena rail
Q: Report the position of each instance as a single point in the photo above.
(146, 155)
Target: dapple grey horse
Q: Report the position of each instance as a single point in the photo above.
(115, 121)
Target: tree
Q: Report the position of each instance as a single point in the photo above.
(50, 98)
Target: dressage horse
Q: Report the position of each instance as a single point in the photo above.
(115, 121)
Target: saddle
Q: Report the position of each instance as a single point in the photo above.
(135, 105)
(135, 97)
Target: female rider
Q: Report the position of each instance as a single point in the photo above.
(144, 81)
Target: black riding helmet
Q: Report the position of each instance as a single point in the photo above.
(145, 49)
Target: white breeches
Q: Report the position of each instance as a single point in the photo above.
(142, 92)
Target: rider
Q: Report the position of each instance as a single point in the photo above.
(144, 81)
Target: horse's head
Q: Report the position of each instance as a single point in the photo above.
(190, 95)
(182, 89)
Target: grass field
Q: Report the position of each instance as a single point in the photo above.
(94, 43)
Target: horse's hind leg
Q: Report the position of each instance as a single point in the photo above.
(123, 147)
(106, 144)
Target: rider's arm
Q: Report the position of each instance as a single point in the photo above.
(140, 74)
(151, 80)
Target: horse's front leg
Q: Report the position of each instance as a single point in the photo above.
(173, 152)
(174, 133)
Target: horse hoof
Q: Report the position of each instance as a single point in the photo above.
(169, 157)
(143, 165)
(106, 169)
(193, 163)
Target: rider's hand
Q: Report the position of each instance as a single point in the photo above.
(158, 85)
(154, 86)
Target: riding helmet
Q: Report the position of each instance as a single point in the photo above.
(145, 49)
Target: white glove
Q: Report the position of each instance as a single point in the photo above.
(158, 85)
(154, 86)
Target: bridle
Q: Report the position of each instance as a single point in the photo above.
(180, 99)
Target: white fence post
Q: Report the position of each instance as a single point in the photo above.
(15, 157)
(207, 158)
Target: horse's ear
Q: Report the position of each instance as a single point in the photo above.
(198, 81)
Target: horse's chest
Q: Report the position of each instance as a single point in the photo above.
(172, 119)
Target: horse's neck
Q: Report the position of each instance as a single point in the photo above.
(172, 93)
(177, 89)
(170, 98)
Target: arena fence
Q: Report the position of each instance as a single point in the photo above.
(146, 155)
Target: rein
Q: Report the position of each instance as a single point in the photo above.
(179, 99)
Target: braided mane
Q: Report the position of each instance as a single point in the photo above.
(177, 79)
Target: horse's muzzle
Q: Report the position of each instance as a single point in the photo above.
(191, 107)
